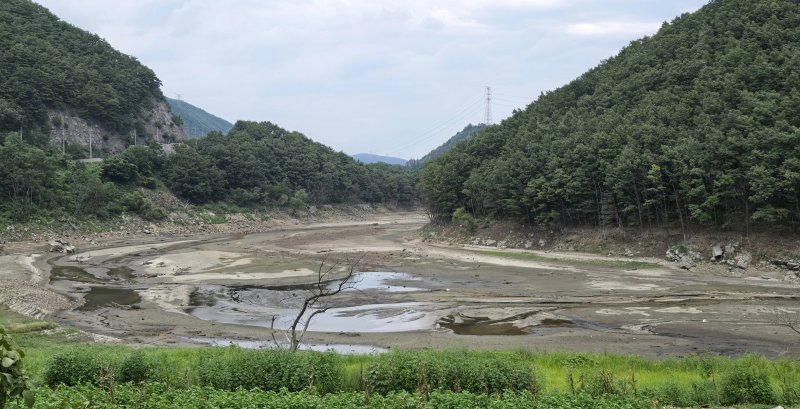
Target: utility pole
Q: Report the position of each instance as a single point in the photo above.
(134, 136)
(488, 119)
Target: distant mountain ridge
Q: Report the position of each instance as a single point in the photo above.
(197, 122)
(368, 158)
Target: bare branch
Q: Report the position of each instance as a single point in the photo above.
(322, 290)
(784, 319)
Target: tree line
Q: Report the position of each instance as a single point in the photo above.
(257, 165)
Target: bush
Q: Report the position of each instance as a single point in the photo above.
(135, 368)
(454, 371)
(746, 384)
(72, 368)
(465, 220)
(270, 370)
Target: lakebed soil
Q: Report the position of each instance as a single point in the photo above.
(215, 287)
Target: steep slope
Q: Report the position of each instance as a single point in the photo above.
(462, 135)
(196, 121)
(371, 158)
(59, 81)
(697, 126)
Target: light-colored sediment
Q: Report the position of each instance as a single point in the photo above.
(567, 303)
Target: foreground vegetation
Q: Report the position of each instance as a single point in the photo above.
(158, 396)
(187, 376)
(71, 374)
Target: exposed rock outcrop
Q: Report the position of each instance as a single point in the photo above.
(156, 123)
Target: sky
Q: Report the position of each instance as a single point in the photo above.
(390, 77)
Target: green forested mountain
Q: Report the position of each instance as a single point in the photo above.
(196, 122)
(46, 64)
(256, 165)
(261, 163)
(464, 134)
(49, 65)
(696, 126)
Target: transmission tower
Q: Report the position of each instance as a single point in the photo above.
(488, 119)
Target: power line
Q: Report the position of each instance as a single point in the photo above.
(488, 117)
(470, 110)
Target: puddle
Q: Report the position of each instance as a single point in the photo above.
(345, 349)
(120, 273)
(396, 317)
(73, 273)
(378, 280)
(463, 325)
(556, 322)
(105, 296)
(253, 305)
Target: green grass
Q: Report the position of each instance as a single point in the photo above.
(617, 264)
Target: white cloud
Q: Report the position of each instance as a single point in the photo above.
(614, 28)
(364, 75)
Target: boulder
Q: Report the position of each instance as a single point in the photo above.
(717, 252)
(60, 246)
(673, 255)
(686, 262)
(743, 260)
(731, 248)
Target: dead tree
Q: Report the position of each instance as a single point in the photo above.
(322, 289)
(785, 319)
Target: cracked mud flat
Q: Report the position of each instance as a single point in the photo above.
(222, 289)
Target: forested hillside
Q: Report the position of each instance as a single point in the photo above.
(46, 64)
(195, 121)
(56, 79)
(696, 126)
(257, 165)
(261, 163)
(464, 134)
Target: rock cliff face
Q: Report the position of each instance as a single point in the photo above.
(155, 123)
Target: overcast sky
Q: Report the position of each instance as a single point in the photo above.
(393, 77)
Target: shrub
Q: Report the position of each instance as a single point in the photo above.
(72, 368)
(270, 370)
(454, 371)
(746, 384)
(135, 368)
(14, 382)
(465, 220)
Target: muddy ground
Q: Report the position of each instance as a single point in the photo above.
(211, 289)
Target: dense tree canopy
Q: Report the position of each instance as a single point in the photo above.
(261, 163)
(695, 126)
(47, 63)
